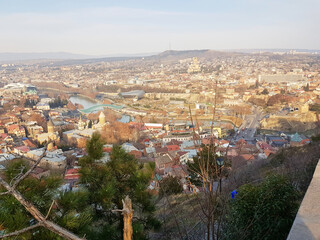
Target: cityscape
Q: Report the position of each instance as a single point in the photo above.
(215, 143)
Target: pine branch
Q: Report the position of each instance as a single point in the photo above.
(38, 215)
(19, 179)
(42, 221)
(17, 176)
(53, 202)
(4, 193)
(16, 233)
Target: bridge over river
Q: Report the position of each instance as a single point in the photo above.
(100, 107)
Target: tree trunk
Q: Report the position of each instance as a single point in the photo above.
(127, 218)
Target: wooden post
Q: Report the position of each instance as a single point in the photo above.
(127, 213)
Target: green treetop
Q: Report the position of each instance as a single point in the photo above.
(108, 183)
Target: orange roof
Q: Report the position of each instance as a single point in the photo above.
(107, 149)
(72, 174)
(242, 141)
(267, 152)
(72, 171)
(12, 127)
(70, 177)
(28, 143)
(247, 156)
(23, 148)
(223, 141)
(3, 135)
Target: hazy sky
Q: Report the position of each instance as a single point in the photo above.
(107, 27)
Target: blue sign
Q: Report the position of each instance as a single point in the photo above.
(233, 194)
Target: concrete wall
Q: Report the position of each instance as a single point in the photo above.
(306, 226)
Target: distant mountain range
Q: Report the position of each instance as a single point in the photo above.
(272, 50)
(9, 56)
(166, 55)
(175, 55)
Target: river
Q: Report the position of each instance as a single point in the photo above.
(87, 103)
(84, 101)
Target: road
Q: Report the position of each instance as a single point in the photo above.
(250, 124)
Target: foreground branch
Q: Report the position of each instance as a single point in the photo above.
(42, 221)
(15, 184)
(16, 233)
(4, 193)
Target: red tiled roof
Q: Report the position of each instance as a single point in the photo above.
(267, 152)
(72, 171)
(173, 147)
(247, 156)
(107, 149)
(23, 148)
(304, 141)
(180, 153)
(72, 177)
(161, 150)
(72, 174)
(136, 153)
(178, 131)
(206, 141)
(223, 141)
(242, 141)
(3, 135)
(13, 127)
(28, 143)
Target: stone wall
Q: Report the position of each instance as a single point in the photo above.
(292, 122)
(306, 225)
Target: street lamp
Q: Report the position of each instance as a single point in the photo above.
(220, 162)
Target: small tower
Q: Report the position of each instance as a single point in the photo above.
(50, 126)
(50, 146)
(102, 118)
(304, 108)
(81, 124)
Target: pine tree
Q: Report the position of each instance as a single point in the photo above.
(39, 192)
(88, 211)
(108, 183)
